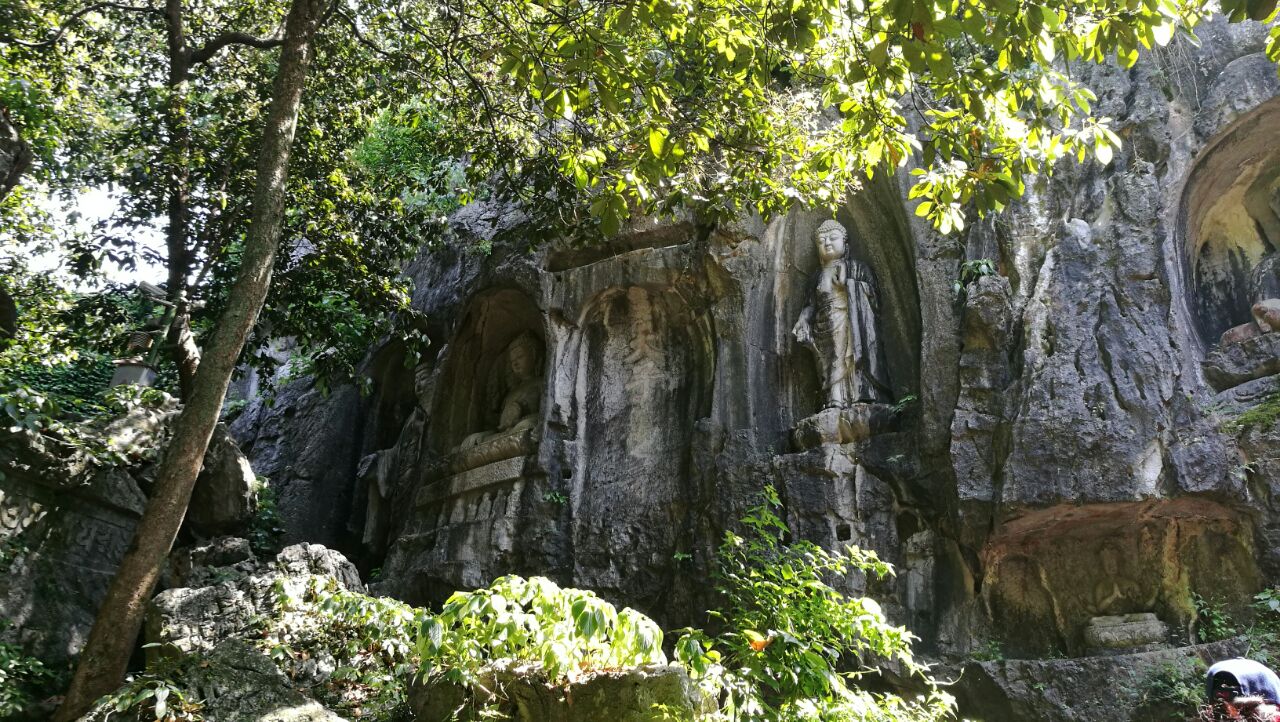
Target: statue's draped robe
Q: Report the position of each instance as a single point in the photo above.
(845, 338)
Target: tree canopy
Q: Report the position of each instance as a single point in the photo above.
(585, 112)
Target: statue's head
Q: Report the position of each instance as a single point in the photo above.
(830, 239)
(524, 354)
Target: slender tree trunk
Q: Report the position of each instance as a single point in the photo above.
(186, 354)
(115, 631)
(15, 159)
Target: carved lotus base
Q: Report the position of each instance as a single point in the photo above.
(1125, 633)
(842, 426)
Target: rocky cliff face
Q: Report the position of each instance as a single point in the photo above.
(1061, 440)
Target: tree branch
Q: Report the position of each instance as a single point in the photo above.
(75, 17)
(222, 40)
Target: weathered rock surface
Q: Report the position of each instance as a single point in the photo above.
(1252, 358)
(235, 683)
(65, 523)
(647, 694)
(230, 592)
(1082, 690)
(225, 494)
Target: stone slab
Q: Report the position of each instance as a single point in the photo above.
(472, 480)
(1234, 364)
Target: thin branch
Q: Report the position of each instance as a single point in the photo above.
(222, 40)
(76, 17)
(362, 39)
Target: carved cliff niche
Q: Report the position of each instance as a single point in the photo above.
(477, 377)
(1230, 223)
(484, 429)
(1049, 574)
(393, 397)
(644, 374)
(879, 242)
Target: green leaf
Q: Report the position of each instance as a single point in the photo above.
(657, 141)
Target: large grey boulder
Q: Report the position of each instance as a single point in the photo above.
(226, 490)
(229, 599)
(1233, 364)
(234, 682)
(648, 694)
(1086, 689)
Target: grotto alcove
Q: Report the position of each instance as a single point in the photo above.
(879, 239)
(1052, 574)
(645, 367)
(1230, 225)
(476, 371)
(467, 489)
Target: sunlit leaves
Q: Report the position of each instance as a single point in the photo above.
(726, 106)
(790, 634)
(567, 633)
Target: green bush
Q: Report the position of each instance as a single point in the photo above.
(157, 694)
(567, 632)
(368, 639)
(266, 527)
(790, 637)
(24, 680)
(1176, 690)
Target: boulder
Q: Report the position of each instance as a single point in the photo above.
(225, 495)
(647, 694)
(198, 618)
(235, 683)
(1252, 358)
(1085, 689)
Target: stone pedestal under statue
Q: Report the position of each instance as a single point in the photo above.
(1125, 633)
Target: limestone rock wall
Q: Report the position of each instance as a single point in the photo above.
(602, 414)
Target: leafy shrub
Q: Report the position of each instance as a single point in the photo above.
(970, 272)
(1176, 691)
(24, 680)
(266, 527)
(1213, 622)
(566, 632)
(365, 641)
(155, 694)
(789, 635)
(989, 652)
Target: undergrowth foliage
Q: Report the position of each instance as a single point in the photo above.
(567, 633)
(792, 647)
(24, 679)
(355, 652)
(790, 637)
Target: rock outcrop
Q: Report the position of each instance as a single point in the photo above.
(648, 694)
(66, 520)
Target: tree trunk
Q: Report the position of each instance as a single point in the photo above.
(115, 631)
(15, 159)
(15, 154)
(178, 157)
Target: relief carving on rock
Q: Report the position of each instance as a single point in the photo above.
(515, 400)
(386, 469)
(839, 328)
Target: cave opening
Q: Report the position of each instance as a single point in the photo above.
(1230, 224)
